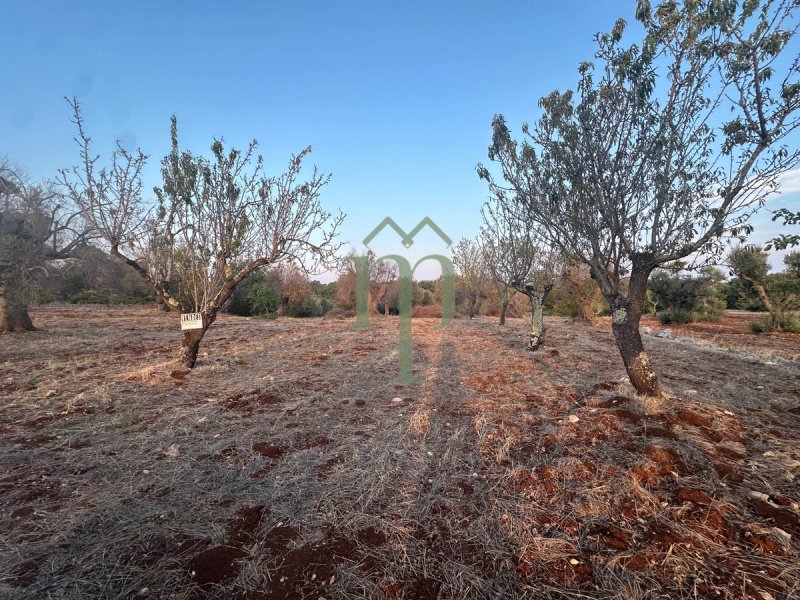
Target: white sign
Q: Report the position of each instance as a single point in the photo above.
(191, 321)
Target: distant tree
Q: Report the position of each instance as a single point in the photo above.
(517, 255)
(585, 289)
(792, 262)
(219, 219)
(382, 283)
(470, 266)
(778, 293)
(686, 298)
(665, 149)
(37, 226)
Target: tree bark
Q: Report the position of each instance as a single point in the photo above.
(625, 317)
(537, 322)
(190, 344)
(473, 301)
(14, 316)
(503, 312)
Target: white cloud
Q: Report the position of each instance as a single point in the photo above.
(789, 182)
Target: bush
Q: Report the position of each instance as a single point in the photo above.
(789, 323)
(677, 316)
(92, 297)
(427, 312)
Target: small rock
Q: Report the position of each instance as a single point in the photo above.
(573, 419)
(173, 451)
(50, 393)
(646, 330)
(664, 333)
(144, 591)
(758, 495)
(574, 562)
(398, 399)
(768, 454)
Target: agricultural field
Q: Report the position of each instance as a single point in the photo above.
(288, 464)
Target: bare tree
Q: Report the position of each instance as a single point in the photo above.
(517, 255)
(665, 150)
(218, 219)
(469, 264)
(37, 227)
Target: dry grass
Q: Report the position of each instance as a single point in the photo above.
(283, 467)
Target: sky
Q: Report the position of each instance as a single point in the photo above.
(396, 99)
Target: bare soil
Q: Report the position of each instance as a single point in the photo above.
(288, 464)
(733, 332)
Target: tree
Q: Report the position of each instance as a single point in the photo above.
(517, 256)
(586, 291)
(792, 262)
(664, 150)
(778, 294)
(687, 298)
(218, 219)
(382, 282)
(470, 266)
(37, 227)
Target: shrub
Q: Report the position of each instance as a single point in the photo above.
(92, 297)
(789, 323)
(427, 312)
(676, 316)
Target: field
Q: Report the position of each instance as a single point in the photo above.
(289, 465)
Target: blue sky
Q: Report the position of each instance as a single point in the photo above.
(395, 98)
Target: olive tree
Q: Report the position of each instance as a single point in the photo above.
(37, 227)
(778, 293)
(218, 219)
(517, 255)
(664, 150)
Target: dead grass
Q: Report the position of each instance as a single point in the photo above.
(282, 467)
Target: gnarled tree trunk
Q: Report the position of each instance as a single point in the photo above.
(625, 317)
(14, 315)
(537, 322)
(190, 344)
(503, 311)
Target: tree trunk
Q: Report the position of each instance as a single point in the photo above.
(14, 316)
(775, 312)
(625, 317)
(537, 322)
(503, 312)
(473, 301)
(190, 346)
(585, 305)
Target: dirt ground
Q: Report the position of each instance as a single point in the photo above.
(289, 465)
(733, 331)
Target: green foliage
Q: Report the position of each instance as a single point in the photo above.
(792, 262)
(785, 240)
(740, 294)
(789, 322)
(92, 297)
(686, 298)
(749, 262)
(676, 316)
(41, 295)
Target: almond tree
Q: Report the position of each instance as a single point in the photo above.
(517, 255)
(663, 151)
(469, 264)
(218, 219)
